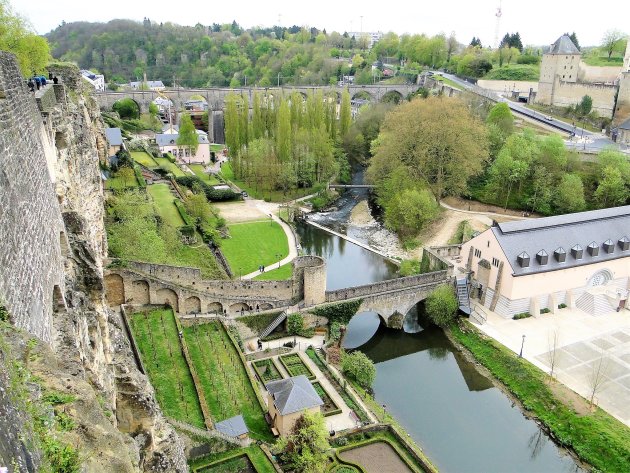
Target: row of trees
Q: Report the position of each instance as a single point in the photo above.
(287, 141)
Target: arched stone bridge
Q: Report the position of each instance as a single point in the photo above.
(215, 97)
(393, 298)
(187, 292)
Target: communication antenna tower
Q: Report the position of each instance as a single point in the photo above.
(498, 25)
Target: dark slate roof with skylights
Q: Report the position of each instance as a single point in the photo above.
(564, 45)
(594, 236)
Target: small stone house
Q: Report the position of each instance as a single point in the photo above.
(167, 143)
(623, 133)
(288, 399)
(233, 427)
(114, 141)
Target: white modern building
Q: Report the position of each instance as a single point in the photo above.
(95, 80)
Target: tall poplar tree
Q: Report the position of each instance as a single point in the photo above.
(345, 114)
(283, 133)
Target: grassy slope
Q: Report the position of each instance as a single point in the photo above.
(117, 183)
(253, 244)
(164, 371)
(602, 61)
(170, 167)
(514, 72)
(223, 378)
(163, 199)
(199, 172)
(597, 438)
(142, 157)
(279, 274)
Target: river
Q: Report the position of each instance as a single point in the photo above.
(463, 423)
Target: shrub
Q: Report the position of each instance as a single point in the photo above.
(522, 315)
(295, 324)
(212, 194)
(139, 176)
(441, 305)
(358, 366)
(4, 314)
(562, 306)
(188, 220)
(545, 311)
(341, 312)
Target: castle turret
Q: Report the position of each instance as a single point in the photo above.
(560, 63)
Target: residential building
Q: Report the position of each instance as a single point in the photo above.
(372, 37)
(95, 80)
(233, 427)
(288, 399)
(149, 84)
(579, 260)
(167, 143)
(114, 141)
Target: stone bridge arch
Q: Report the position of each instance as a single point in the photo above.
(114, 289)
(167, 296)
(215, 308)
(192, 305)
(392, 96)
(140, 292)
(238, 307)
(363, 94)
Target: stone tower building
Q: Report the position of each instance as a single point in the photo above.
(561, 62)
(622, 108)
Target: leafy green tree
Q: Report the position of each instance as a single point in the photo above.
(32, 51)
(613, 41)
(501, 116)
(126, 108)
(232, 125)
(198, 207)
(305, 448)
(283, 134)
(188, 134)
(295, 324)
(441, 305)
(409, 211)
(585, 106)
(506, 172)
(153, 109)
(345, 113)
(611, 190)
(611, 157)
(569, 195)
(436, 140)
(126, 175)
(359, 367)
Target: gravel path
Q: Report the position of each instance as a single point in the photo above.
(378, 457)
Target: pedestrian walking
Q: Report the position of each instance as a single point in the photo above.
(31, 85)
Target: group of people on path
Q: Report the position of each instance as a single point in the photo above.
(261, 268)
(37, 82)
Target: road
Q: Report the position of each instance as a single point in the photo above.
(584, 140)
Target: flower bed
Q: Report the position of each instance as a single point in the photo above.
(295, 366)
(330, 408)
(266, 370)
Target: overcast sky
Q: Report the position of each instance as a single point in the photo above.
(538, 21)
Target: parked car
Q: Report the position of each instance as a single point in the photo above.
(244, 194)
(548, 118)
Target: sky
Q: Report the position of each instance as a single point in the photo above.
(539, 22)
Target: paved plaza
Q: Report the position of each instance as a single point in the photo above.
(584, 343)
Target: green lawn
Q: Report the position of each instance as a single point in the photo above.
(255, 454)
(615, 61)
(268, 195)
(216, 147)
(253, 244)
(144, 158)
(447, 81)
(117, 183)
(223, 379)
(279, 274)
(199, 172)
(155, 333)
(163, 199)
(170, 167)
(597, 437)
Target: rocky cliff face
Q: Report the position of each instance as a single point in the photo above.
(118, 425)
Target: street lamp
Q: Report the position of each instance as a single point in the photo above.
(279, 258)
(520, 355)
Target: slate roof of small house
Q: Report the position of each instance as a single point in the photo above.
(114, 137)
(233, 427)
(564, 45)
(563, 231)
(293, 394)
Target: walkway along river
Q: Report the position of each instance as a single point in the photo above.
(463, 422)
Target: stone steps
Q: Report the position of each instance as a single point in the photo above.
(594, 304)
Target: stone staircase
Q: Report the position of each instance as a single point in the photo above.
(594, 304)
(478, 315)
(463, 297)
(273, 325)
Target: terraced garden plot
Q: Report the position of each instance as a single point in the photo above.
(144, 158)
(223, 378)
(240, 464)
(295, 366)
(329, 408)
(155, 334)
(170, 167)
(198, 169)
(163, 199)
(232, 460)
(266, 370)
(117, 183)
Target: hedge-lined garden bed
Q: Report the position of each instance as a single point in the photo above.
(330, 408)
(266, 370)
(295, 366)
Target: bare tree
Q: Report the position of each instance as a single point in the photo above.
(612, 41)
(597, 375)
(552, 355)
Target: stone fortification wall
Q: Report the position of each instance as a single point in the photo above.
(622, 112)
(31, 264)
(507, 86)
(588, 73)
(566, 94)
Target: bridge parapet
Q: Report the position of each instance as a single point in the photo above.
(387, 286)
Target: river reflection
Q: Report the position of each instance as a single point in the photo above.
(460, 419)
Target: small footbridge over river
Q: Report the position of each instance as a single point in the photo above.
(187, 292)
